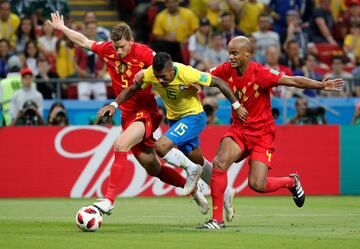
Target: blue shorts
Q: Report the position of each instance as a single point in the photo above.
(184, 133)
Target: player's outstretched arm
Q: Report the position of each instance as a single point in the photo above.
(123, 97)
(57, 22)
(228, 93)
(301, 82)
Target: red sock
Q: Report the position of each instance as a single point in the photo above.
(116, 174)
(275, 183)
(171, 176)
(219, 181)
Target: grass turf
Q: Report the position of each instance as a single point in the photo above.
(260, 222)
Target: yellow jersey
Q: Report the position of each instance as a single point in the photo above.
(181, 95)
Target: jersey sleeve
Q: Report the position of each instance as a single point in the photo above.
(268, 77)
(222, 71)
(149, 78)
(194, 76)
(99, 47)
(147, 56)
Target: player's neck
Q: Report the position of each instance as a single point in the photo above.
(242, 69)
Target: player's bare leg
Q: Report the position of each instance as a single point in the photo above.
(151, 164)
(228, 152)
(197, 157)
(260, 182)
(164, 147)
(131, 136)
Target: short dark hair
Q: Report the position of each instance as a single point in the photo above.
(161, 59)
(120, 31)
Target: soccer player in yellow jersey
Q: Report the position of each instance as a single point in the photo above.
(178, 85)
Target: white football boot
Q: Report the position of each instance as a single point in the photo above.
(193, 175)
(228, 203)
(104, 205)
(200, 200)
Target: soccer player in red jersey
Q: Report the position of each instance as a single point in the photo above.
(253, 135)
(140, 118)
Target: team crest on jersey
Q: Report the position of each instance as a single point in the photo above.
(122, 67)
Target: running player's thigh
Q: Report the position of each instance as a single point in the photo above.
(258, 172)
(196, 156)
(131, 136)
(147, 158)
(228, 152)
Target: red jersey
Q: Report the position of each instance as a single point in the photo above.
(122, 72)
(253, 91)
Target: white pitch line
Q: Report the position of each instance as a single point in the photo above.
(175, 216)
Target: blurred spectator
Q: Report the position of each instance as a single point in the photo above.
(46, 7)
(295, 32)
(279, 10)
(292, 58)
(199, 44)
(217, 53)
(142, 21)
(306, 115)
(31, 56)
(172, 27)
(338, 72)
(265, 37)
(308, 69)
(102, 33)
(22, 7)
(9, 23)
(356, 74)
(45, 88)
(321, 24)
(200, 7)
(5, 54)
(352, 42)
(25, 33)
(210, 107)
(65, 58)
(58, 115)
(47, 42)
(9, 86)
(227, 28)
(356, 117)
(27, 103)
(90, 66)
(351, 16)
(272, 55)
(249, 16)
(214, 10)
(254, 55)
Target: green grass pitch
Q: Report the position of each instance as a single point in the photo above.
(155, 223)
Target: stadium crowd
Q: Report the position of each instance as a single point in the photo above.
(312, 38)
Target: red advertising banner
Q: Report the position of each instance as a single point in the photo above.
(75, 161)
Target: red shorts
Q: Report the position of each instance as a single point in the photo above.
(259, 147)
(151, 119)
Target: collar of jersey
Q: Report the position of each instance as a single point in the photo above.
(176, 72)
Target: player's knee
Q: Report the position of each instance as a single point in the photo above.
(220, 163)
(152, 172)
(161, 149)
(256, 185)
(121, 146)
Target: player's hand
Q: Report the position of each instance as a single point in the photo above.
(242, 113)
(332, 84)
(139, 76)
(57, 20)
(108, 110)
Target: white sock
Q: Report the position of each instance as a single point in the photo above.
(178, 159)
(207, 171)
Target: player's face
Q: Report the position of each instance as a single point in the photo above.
(166, 75)
(238, 55)
(122, 47)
